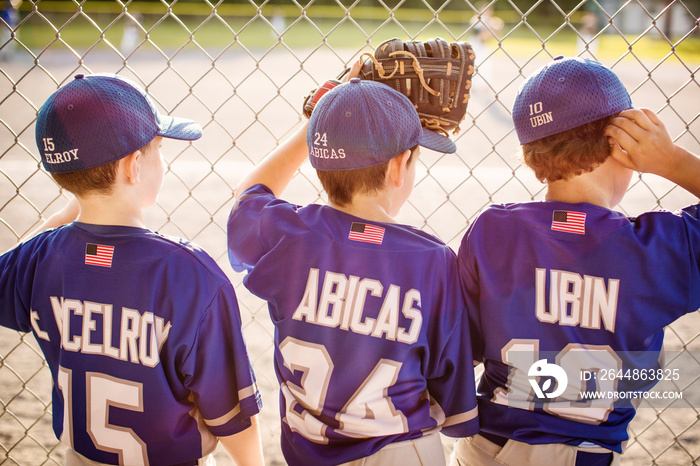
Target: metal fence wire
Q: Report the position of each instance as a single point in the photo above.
(241, 69)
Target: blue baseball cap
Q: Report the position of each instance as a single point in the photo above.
(101, 118)
(566, 93)
(364, 123)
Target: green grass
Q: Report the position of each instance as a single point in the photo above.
(609, 46)
(215, 33)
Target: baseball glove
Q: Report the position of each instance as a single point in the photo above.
(434, 75)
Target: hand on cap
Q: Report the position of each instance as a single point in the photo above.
(640, 141)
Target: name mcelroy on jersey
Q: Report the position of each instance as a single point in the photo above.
(342, 303)
(141, 336)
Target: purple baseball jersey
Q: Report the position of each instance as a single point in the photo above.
(580, 287)
(142, 334)
(371, 333)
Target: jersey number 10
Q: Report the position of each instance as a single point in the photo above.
(575, 358)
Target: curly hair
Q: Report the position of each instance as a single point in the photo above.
(342, 185)
(570, 153)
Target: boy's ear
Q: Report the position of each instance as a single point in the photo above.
(130, 167)
(396, 172)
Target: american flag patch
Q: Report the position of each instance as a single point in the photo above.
(570, 222)
(366, 233)
(99, 254)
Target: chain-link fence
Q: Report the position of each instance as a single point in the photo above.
(242, 68)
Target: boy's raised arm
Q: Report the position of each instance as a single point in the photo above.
(278, 167)
(67, 214)
(642, 143)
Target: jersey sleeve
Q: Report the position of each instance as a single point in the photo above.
(15, 270)
(691, 218)
(245, 227)
(469, 283)
(8, 290)
(673, 238)
(451, 380)
(217, 370)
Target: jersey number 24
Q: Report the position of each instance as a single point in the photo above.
(315, 362)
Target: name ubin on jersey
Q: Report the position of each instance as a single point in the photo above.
(142, 334)
(580, 289)
(370, 327)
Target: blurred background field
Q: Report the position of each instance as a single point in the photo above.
(532, 26)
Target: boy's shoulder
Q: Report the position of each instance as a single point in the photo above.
(549, 218)
(509, 211)
(324, 222)
(669, 224)
(581, 221)
(120, 248)
(187, 248)
(536, 208)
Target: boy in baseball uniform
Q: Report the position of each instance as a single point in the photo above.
(371, 347)
(141, 331)
(565, 287)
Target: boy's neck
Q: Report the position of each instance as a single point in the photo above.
(604, 186)
(108, 210)
(367, 208)
(573, 192)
